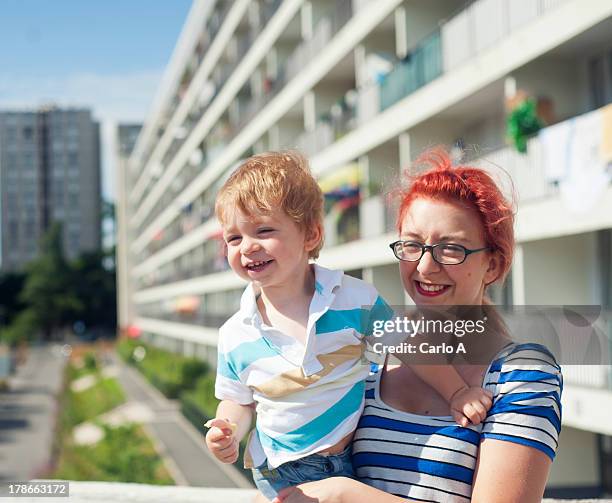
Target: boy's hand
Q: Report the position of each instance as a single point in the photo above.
(221, 441)
(470, 405)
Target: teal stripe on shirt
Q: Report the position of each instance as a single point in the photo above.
(231, 364)
(359, 319)
(334, 320)
(381, 311)
(313, 431)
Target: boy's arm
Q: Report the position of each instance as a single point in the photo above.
(467, 404)
(231, 424)
(240, 415)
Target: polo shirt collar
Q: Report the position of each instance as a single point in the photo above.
(326, 280)
(326, 283)
(248, 304)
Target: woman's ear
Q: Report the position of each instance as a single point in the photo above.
(314, 235)
(493, 269)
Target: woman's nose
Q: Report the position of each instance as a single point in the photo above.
(427, 264)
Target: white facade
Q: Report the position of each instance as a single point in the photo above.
(362, 87)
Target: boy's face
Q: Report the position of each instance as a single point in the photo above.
(268, 249)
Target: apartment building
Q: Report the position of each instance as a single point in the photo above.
(49, 172)
(362, 87)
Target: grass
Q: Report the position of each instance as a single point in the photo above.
(125, 454)
(86, 405)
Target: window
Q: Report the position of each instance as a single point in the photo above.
(10, 133)
(13, 234)
(11, 161)
(609, 98)
(30, 229)
(28, 133)
(605, 448)
(596, 80)
(11, 200)
(604, 245)
(73, 159)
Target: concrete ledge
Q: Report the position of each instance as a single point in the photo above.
(104, 492)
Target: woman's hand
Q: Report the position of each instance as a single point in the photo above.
(328, 490)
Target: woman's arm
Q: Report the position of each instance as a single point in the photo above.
(335, 490)
(509, 472)
(521, 432)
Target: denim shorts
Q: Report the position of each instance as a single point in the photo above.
(308, 469)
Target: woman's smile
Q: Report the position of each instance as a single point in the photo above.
(430, 289)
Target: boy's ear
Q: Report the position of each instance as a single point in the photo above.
(314, 235)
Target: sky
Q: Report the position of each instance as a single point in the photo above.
(107, 55)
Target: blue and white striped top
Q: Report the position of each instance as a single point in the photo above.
(431, 458)
(308, 396)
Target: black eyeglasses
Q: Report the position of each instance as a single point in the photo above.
(442, 253)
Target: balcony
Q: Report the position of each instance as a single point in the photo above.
(303, 54)
(577, 173)
(418, 68)
(463, 36)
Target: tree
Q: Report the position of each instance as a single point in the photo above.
(47, 290)
(11, 284)
(94, 284)
(22, 328)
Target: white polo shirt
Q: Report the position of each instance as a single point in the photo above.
(308, 396)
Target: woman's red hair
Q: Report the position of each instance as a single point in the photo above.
(439, 179)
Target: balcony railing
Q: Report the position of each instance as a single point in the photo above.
(546, 170)
(483, 23)
(418, 68)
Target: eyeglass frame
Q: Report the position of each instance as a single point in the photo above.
(430, 248)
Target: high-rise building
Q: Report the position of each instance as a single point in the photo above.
(49, 172)
(362, 87)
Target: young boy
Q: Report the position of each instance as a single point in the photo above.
(295, 347)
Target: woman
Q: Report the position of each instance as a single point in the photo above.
(456, 238)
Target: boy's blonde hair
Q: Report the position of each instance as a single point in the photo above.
(272, 180)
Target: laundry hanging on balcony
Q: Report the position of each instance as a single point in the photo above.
(342, 183)
(341, 189)
(573, 153)
(187, 305)
(605, 150)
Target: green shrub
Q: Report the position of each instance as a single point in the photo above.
(169, 372)
(191, 370)
(90, 361)
(85, 405)
(123, 455)
(203, 396)
(125, 348)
